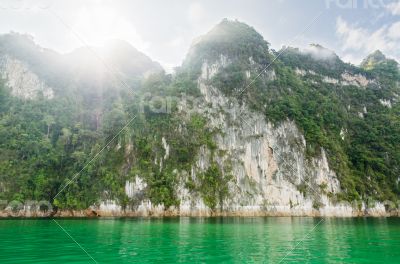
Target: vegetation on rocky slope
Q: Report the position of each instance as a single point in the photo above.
(360, 133)
(44, 143)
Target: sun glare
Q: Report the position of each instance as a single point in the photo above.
(100, 24)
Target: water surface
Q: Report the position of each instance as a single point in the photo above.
(205, 240)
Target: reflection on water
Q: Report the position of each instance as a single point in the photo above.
(188, 240)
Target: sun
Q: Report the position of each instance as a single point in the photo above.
(99, 24)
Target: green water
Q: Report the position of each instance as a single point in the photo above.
(205, 240)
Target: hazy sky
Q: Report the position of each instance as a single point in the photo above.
(164, 29)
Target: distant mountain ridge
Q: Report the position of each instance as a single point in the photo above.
(86, 65)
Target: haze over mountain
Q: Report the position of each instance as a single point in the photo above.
(289, 132)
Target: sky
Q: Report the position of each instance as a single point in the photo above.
(164, 30)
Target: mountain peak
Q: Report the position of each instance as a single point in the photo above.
(231, 30)
(16, 38)
(231, 38)
(119, 54)
(373, 59)
(19, 45)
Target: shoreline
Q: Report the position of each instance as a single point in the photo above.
(92, 214)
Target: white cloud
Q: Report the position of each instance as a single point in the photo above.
(196, 12)
(358, 39)
(394, 8)
(394, 31)
(352, 37)
(319, 53)
(352, 58)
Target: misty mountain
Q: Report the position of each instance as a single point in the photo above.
(238, 129)
(115, 64)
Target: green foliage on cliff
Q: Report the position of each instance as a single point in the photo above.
(214, 186)
(44, 143)
(367, 159)
(360, 134)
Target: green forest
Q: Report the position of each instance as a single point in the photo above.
(45, 143)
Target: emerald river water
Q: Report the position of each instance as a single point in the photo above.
(201, 240)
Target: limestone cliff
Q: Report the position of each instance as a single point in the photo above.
(238, 129)
(271, 173)
(22, 81)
